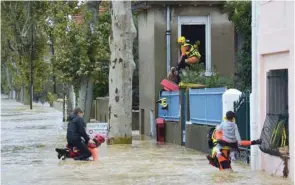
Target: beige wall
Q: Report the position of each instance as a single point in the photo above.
(198, 133)
(101, 112)
(173, 132)
(160, 51)
(152, 49)
(222, 37)
(146, 43)
(102, 109)
(276, 51)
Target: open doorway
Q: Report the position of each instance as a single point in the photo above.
(194, 33)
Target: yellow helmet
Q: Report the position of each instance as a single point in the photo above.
(181, 40)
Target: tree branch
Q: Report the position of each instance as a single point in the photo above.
(10, 46)
(24, 32)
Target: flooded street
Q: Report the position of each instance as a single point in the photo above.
(29, 138)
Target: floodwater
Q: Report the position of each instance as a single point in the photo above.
(29, 138)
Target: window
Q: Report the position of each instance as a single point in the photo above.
(194, 33)
(197, 28)
(277, 92)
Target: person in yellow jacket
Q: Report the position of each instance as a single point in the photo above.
(181, 40)
(189, 53)
(192, 55)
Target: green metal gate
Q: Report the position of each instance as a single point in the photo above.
(242, 111)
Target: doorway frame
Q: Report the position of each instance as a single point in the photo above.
(199, 20)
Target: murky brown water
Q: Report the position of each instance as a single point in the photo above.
(28, 157)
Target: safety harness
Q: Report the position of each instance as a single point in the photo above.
(193, 52)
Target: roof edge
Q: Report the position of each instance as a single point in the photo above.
(143, 5)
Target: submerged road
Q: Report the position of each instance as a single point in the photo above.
(29, 138)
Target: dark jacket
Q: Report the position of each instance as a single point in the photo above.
(76, 129)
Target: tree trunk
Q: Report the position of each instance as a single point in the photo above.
(17, 95)
(26, 96)
(64, 111)
(120, 73)
(8, 78)
(21, 97)
(71, 100)
(86, 97)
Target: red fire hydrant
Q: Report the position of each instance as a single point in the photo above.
(160, 130)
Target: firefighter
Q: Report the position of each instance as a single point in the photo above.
(189, 56)
(189, 53)
(181, 41)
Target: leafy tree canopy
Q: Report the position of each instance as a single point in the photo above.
(239, 12)
(22, 27)
(81, 46)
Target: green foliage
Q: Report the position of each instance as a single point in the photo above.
(4, 81)
(197, 75)
(239, 12)
(51, 97)
(5, 55)
(79, 51)
(18, 20)
(101, 86)
(243, 74)
(101, 83)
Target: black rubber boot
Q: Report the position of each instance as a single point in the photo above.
(212, 161)
(256, 142)
(59, 156)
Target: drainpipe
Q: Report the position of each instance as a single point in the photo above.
(258, 129)
(254, 114)
(168, 51)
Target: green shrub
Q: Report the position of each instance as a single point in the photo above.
(197, 75)
(239, 13)
(51, 98)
